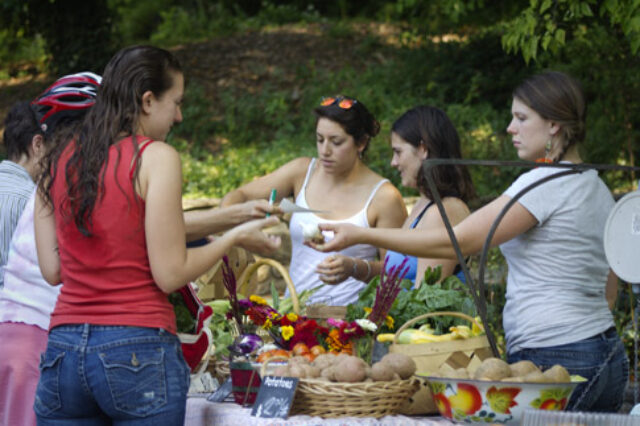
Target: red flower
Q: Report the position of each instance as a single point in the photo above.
(349, 331)
(308, 332)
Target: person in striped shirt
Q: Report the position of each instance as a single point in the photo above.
(24, 147)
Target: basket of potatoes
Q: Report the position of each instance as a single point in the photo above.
(497, 392)
(343, 385)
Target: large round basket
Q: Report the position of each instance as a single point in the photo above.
(315, 397)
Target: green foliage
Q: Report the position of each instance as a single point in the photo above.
(179, 25)
(21, 54)
(547, 25)
(137, 20)
(432, 296)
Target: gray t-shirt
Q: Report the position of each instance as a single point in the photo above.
(557, 269)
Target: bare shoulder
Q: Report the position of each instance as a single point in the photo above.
(159, 149)
(297, 166)
(455, 205)
(456, 209)
(387, 209)
(388, 194)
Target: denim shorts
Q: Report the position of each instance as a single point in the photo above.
(103, 375)
(586, 358)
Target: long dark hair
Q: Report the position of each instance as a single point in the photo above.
(129, 74)
(431, 127)
(356, 120)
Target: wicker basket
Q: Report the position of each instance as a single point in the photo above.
(252, 268)
(430, 356)
(219, 368)
(321, 398)
(315, 397)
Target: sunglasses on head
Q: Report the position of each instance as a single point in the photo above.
(344, 103)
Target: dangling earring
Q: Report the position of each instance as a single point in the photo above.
(360, 155)
(547, 151)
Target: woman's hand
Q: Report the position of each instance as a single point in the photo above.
(344, 235)
(257, 209)
(335, 269)
(249, 236)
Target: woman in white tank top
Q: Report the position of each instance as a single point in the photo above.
(339, 183)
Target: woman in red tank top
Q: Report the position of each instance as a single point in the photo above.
(109, 226)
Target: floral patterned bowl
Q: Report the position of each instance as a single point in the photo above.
(483, 401)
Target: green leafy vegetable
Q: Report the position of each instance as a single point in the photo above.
(448, 295)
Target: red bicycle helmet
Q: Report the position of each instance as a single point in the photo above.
(68, 97)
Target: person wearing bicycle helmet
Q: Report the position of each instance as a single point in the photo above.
(26, 301)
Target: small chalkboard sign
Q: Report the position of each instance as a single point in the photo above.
(222, 392)
(275, 397)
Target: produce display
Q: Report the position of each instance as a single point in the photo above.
(426, 334)
(495, 369)
(348, 368)
(497, 392)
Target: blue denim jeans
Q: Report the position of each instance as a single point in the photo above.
(586, 358)
(104, 375)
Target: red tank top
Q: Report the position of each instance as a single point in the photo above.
(107, 277)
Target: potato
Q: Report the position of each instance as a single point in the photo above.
(460, 373)
(298, 360)
(402, 364)
(323, 361)
(535, 377)
(311, 371)
(327, 374)
(350, 370)
(512, 379)
(557, 374)
(297, 371)
(522, 368)
(492, 369)
(281, 371)
(382, 372)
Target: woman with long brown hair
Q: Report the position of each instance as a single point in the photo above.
(109, 226)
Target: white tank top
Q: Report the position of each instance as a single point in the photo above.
(304, 259)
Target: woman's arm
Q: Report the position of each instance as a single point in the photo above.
(46, 240)
(434, 243)
(172, 264)
(611, 289)
(284, 180)
(201, 223)
(456, 211)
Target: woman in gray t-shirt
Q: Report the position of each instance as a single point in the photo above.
(559, 288)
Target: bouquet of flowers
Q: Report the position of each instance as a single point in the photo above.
(357, 336)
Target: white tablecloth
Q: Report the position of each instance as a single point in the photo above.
(201, 412)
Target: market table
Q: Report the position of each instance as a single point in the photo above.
(201, 412)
